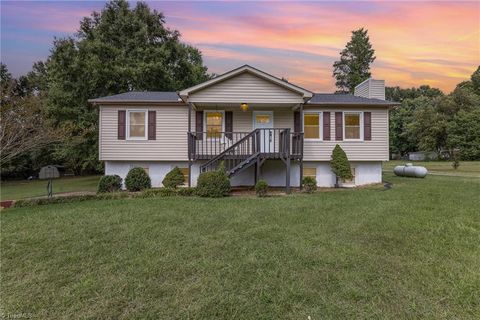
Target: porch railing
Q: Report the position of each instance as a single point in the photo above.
(271, 143)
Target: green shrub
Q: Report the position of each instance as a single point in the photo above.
(110, 183)
(174, 178)
(137, 180)
(309, 184)
(213, 184)
(340, 165)
(186, 192)
(165, 192)
(69, 199)
(112, 196)
(158, 192)
(261, 188)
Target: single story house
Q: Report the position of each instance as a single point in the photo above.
(259, 126)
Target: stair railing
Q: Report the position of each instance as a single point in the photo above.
(260, 143)
(235, 154)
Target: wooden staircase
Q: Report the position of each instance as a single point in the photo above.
(254, 148)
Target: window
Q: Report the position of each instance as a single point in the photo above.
(262, 118)
(352, 125)
(310, 172)
(214, 124)
(311, 125)
(185, 175)
(137, 124)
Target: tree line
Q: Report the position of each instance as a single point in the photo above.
(427, 119)
(46, 117)
(116, 50)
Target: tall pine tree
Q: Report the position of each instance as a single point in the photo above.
(354, 64)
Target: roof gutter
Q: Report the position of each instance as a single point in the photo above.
(135, 102)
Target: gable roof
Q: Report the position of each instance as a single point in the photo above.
(347, 99)
(246, 68)
(140, 96)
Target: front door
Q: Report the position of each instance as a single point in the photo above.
(264, 120)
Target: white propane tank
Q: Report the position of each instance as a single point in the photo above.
(410, 170)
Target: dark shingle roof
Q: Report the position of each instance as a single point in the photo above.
(140, 96)
(164, 96)
(347, 99)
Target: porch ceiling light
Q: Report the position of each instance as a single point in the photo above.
(244, 107)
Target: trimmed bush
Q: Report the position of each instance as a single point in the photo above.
(174, 178)
(137, 180)
(261, 188)
(340, 165)
(309, 184)
(213, 184)
(69, 199)
(165, 192)
(153, 193)
(186, 192)
(109, 183)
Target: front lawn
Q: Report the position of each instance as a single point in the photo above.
(14, 190)
(406, 253)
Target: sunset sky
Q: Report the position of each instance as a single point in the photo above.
(416, 42)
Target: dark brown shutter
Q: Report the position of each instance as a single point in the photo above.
(152, 125)
(296, 122)
(326, 126)
(122, 125)
(199, 124)
(338, 126)
(229, 124)
(367, 126)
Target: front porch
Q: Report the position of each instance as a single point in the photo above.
(244, 118)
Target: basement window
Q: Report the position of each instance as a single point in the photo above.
(185, 175)
(310, 172)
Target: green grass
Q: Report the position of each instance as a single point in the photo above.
(406, 253)
(466, 169)
(14, 190)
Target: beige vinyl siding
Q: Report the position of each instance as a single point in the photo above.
(245, 87)
(371, 88)
(171, 135)
(374, 150)
(172, 127)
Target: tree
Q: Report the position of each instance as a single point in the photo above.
(401, 141)
(428, 126)
(354, 64)
(23, 127)
(340, 165)
(116, 50)
(398, 94)
(464, 134)
(475, 78)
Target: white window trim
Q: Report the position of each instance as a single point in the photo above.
(205, 124)
(361, 125)
(128, 124)
(320, 125)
